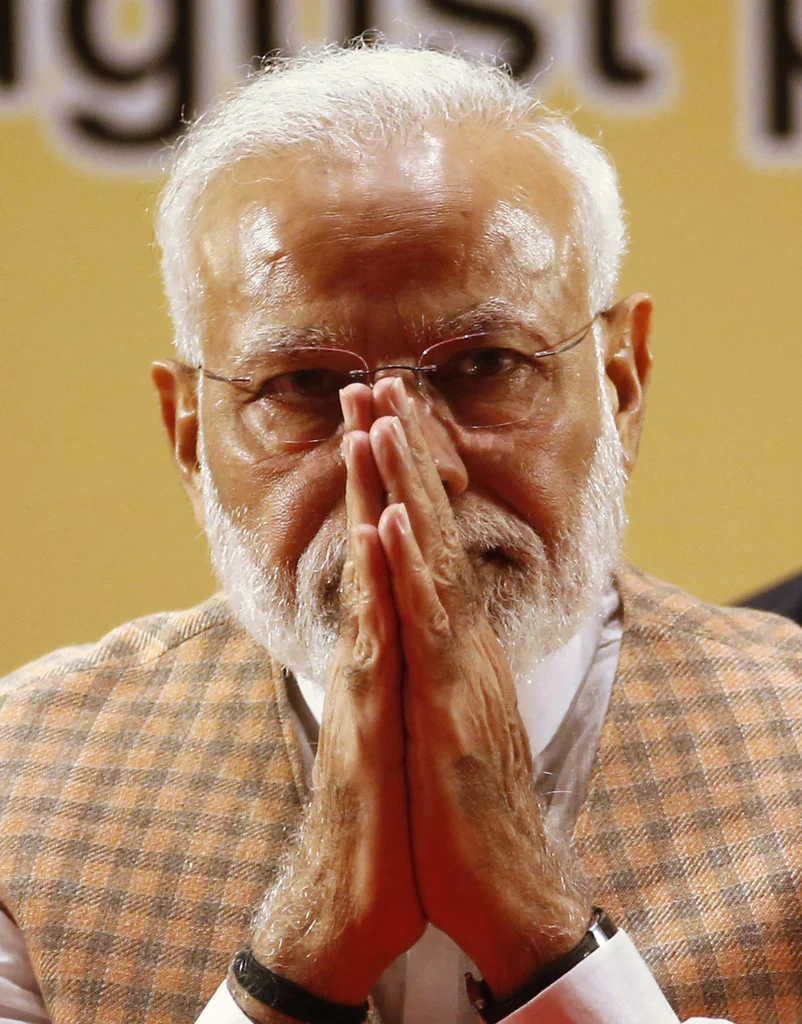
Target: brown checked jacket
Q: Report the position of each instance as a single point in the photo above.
(152, 782)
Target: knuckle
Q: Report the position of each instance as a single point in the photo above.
(357, 678)
(455, 580)
(452, 540)
(444, 571)
(364, 665)
(364, 652)
(433, 635)
(439, 627)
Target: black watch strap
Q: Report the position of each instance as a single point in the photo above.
(278, 993)
(491, 1009)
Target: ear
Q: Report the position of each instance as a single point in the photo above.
(628, 365)
(176, 384)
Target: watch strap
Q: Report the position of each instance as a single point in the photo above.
(492, 1009)
(263, 988)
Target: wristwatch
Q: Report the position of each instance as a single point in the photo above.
(491, 1009)
(257, 991)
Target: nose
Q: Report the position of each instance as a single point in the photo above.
(447, 459)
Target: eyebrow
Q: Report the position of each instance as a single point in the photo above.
(490, 314)
(286, 340)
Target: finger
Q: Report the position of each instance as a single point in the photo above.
(363, 708)
(376, 616)
(372, 675)
(390, 398)
(416, 599)
(364, 501)
(364, 490)
(402, 483)
(370, 621)
(356, 402)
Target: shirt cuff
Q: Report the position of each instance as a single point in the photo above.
(611, 986)
(221, 1009)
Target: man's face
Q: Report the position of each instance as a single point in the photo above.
(376, 255)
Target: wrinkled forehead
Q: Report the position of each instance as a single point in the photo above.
(436, 221)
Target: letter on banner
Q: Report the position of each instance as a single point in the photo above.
(771, 81)
(8, 44)
(617, 59)
(517, 29)
(135, 93)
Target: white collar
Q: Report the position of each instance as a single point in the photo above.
(546, 693)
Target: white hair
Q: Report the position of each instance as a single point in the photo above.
(336, 100)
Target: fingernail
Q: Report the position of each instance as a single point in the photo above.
(399, 397)
(403, 519)
(345, 405)
(347, 444)
(398, 430)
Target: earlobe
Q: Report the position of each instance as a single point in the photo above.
(628, 369)
(176, 387)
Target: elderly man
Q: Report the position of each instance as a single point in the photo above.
(405, 407)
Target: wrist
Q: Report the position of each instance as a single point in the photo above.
(516, 952)
(253, 1009)
(340, 970)
(493, 1006)
(307, 929)
(265, 996)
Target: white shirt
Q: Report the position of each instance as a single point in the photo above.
(562, 701)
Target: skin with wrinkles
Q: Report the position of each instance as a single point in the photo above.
(423, 806)
(422, 244)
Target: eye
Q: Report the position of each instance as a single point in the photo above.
(483, 363)
(310, 385)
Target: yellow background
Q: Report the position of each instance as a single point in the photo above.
(95, 529)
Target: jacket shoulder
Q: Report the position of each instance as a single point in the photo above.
(133, 645)
(660, 613)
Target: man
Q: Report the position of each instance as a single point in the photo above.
(404, 410)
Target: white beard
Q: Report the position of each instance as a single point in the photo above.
(535, 600)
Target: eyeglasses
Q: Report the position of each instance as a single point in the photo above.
(480, 381)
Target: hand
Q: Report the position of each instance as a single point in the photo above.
(347, 905)
(487, 873)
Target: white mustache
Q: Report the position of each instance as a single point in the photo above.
(483, 528)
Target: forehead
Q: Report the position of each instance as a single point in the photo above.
(388, 239)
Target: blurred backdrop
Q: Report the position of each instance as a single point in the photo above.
(700, 104)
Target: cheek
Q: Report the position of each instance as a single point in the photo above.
(283, 500)
(539, 471)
